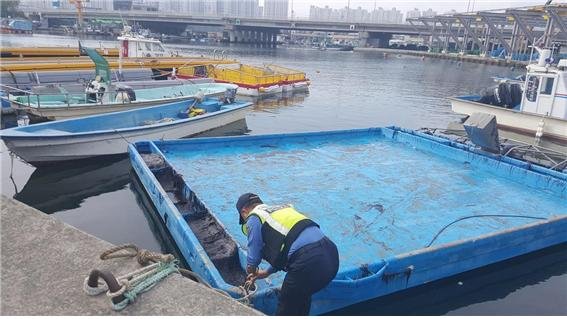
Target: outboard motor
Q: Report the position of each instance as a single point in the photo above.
(488, 96)
(503, 96)
(229, 96)
(506, 95)
(516, 94)
(23, 120)
(125, 93)
(482, 130)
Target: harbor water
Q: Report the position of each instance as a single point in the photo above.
(348, 90)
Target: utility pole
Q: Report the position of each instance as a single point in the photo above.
(292, 12)
(348, 11)
(79, 7)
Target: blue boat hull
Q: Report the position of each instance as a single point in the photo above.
(379, 256)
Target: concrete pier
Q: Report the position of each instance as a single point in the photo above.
(447, 56)
(45, 261)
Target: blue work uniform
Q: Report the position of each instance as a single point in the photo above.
(312, 263)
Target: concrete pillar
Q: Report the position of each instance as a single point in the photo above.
(363, 38)
(274, 38)
(231, 36)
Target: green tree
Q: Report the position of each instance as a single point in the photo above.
(9, 8)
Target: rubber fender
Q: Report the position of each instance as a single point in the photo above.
(516, 93)
(504, 95)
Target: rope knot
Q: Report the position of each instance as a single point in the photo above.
(144, 257)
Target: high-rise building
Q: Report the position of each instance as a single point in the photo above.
(415, 13)
(224, 8)
(276, 9)
(428, 13)
(210, 8)
(360, 15)
(240, 8)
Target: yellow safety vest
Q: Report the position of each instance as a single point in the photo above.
(280, 228)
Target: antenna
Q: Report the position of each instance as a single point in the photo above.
(124, 23)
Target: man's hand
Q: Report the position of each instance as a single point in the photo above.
(260, 274)
(251, 270)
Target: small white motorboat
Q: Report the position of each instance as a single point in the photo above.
(539, 109)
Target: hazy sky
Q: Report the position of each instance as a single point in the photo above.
(301, 7)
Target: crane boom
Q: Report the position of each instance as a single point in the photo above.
(79, 6)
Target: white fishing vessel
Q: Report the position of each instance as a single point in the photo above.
(539, 108)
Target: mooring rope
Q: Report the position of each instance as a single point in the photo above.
(157, 266)
(247, 293)
(143, 256)
(131, 289)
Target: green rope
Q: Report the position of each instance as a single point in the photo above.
(162, 271)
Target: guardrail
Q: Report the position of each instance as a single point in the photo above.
(26, 99)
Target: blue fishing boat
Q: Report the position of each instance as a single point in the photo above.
(109, 134)
(403, 207)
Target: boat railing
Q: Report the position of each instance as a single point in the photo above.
(241, 76)
(557, 160)
(35, 100)
(245, 74)
(9, 88)
(536, 154)
(249, 75)
(290, 74)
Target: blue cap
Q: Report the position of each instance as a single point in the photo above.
(246, 200)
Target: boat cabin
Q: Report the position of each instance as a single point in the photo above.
(137, 46)
(545, 89)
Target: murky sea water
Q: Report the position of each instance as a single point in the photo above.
(348, 90)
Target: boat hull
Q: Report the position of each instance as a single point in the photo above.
(371, 265)
(522, 122)
(273, 90)
(47, 150)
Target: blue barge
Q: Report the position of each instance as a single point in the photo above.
(404, 208)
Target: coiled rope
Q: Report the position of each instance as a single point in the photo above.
(124, 289)
(130, 285)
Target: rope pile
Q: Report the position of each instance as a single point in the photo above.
(124, 289)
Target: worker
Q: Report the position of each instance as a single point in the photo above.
(94, 89)
(291, 242)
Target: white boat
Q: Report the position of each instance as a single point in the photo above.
(109, 134)
(65, 105)
(542, 107)
(133, 45)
